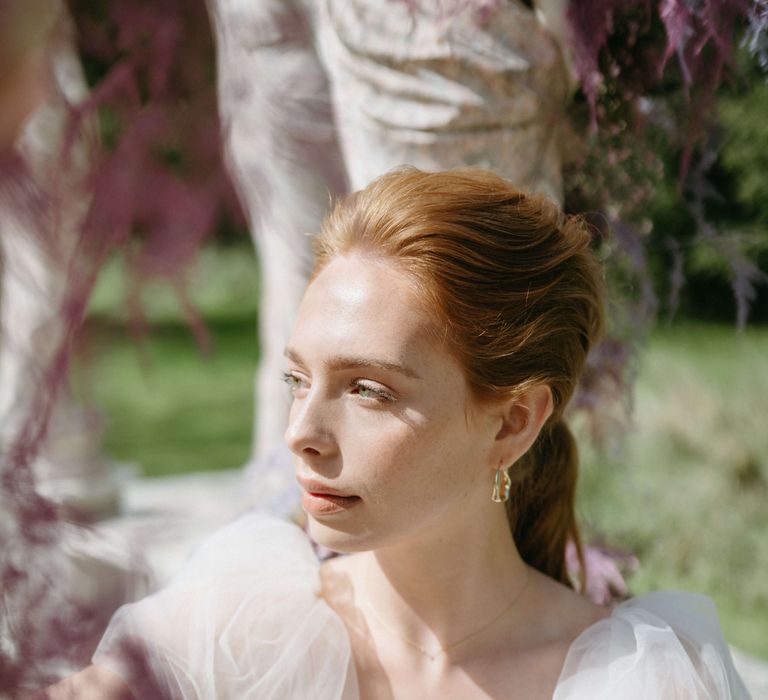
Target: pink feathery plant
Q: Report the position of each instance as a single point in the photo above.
(155, 189)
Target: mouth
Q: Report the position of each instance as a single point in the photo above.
(319, 499)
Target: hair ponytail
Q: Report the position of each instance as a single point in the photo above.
(541, 509)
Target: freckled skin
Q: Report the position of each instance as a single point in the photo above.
(415, 461)
(430, 550)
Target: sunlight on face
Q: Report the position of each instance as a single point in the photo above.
(381, 426)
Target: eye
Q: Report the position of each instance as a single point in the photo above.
(369, 391)
(293, 381)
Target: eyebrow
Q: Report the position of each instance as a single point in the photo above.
(339, 362)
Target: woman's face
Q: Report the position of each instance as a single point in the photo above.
(388, 441)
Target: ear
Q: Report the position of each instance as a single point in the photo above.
(521, 422)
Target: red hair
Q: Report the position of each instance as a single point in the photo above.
(517, 296)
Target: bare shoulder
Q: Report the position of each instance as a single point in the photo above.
(563, 613)
(92, 683)
(537, 642)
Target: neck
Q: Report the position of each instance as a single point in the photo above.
(435, 589)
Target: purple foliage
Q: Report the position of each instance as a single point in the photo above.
(691, 27)
(159, 189)
(605, 570)
(636, 114)
(677, 15)
(730, 246)
(46, 626)
(700, 33)
(159, 96)
(591, 24)
(156, 188)
(159, 92)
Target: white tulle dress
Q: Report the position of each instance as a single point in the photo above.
(243, 621)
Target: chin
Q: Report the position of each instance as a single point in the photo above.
(339, 537)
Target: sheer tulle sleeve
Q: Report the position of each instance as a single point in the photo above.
(665, 645)
(241, 621)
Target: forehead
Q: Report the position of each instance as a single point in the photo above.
(361, 304)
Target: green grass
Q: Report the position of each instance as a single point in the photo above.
(168, 406)
(688, 494)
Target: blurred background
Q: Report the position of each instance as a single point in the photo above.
(670, 165)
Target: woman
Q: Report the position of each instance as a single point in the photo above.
(437, 345)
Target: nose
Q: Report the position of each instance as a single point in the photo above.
(310, 433)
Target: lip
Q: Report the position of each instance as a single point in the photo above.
(320, 499)
(316, 487)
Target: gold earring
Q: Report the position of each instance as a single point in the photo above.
(502, 484)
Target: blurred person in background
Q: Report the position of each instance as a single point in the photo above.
(317, 98)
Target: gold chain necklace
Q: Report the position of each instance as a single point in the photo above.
(431, 654)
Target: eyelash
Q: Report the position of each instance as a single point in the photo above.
(381, 396)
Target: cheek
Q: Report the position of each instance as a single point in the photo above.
(417, 462)
(379, 452)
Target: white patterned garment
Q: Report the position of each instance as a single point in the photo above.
(441, 85)
(319, 95)
(243, 622)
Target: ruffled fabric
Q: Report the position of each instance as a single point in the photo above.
(243, 621)
(665, 645)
